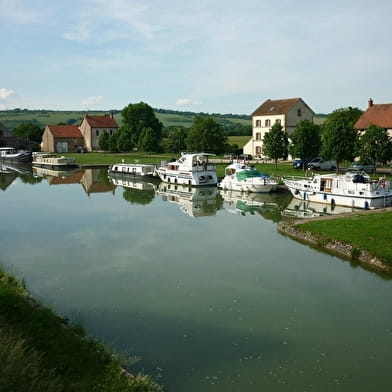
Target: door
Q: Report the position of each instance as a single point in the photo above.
(62, 147)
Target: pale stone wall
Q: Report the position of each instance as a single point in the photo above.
(47, 144)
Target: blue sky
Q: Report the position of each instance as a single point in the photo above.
(219, 56)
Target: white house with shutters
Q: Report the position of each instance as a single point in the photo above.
(287, 112)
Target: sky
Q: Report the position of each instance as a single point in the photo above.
(213, 56)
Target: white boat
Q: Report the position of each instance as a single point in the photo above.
(240, 177)
(353, 189)
(53, 161)
(192, 169)
(193, 201)
(137, 170)
(12, 155)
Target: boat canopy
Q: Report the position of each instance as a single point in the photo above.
(242, 175)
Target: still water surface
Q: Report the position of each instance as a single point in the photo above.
(210, 297)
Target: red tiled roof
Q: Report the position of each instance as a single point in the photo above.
(65, 131)
(105, 121)
(380, 115)
(277, 106)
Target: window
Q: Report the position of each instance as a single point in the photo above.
(258, 150)
(267, 123)
(258, 136)
(97, 132)
(258, 123)
(299, 113)
(277, 121)
(111, 131)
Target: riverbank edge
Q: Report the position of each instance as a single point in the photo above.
(23, 309)
(341, 249)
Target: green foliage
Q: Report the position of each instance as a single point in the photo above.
(375, 145)
(339, 136)
(29, 131)
(141, 125)
(207, 135)
(176, 141)
(275, 143)
(306, 140)
(104, 141)
(148, 140)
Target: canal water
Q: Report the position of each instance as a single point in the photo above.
(196, 283)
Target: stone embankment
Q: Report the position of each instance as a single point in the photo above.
(341, 249)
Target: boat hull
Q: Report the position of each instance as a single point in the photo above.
(138, 171)
(254, 185)
(366, 200)
(197, 178)
(24, 157)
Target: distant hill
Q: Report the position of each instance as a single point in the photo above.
(13, 118)
(10, 119)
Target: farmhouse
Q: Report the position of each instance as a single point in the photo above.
(62, 138)
(286, 112)
(72, 138)
(92, 127)
(380, 115)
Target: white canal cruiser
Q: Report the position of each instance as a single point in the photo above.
(136, 170)
(243, 178)
(53, 161)
(354, 189)
(192, 169)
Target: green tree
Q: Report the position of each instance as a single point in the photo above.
(29, 131)
(306, 140)
(124, 140)
(207, 135)
(176, 141)
(375, 145)
(113, 142)
(339, 135)
(148, 141)
(275, 143)
(104, 141)
(138, 117)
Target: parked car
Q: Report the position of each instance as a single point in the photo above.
(301, 164)
(366, 167)
(320, 164)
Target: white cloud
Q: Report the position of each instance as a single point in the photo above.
(91, 101)
(187, 102)
(5, 93)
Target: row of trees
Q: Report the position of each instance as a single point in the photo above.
(142, 130)
(336, 139)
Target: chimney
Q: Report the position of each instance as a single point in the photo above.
(370, 103)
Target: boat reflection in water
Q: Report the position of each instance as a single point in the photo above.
(195, 202)
(300, 209)
(269, 205)
(133, 182)
(136, 190)
(47, 172)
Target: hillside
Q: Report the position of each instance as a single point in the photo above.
(13, 118)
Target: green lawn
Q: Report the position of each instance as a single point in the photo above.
(370, 232)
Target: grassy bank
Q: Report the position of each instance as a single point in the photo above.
(40, 351)
(368, 231)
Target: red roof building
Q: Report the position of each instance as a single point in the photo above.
(376, 114)
(71, 138)
(92, 127)
(62, 138)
